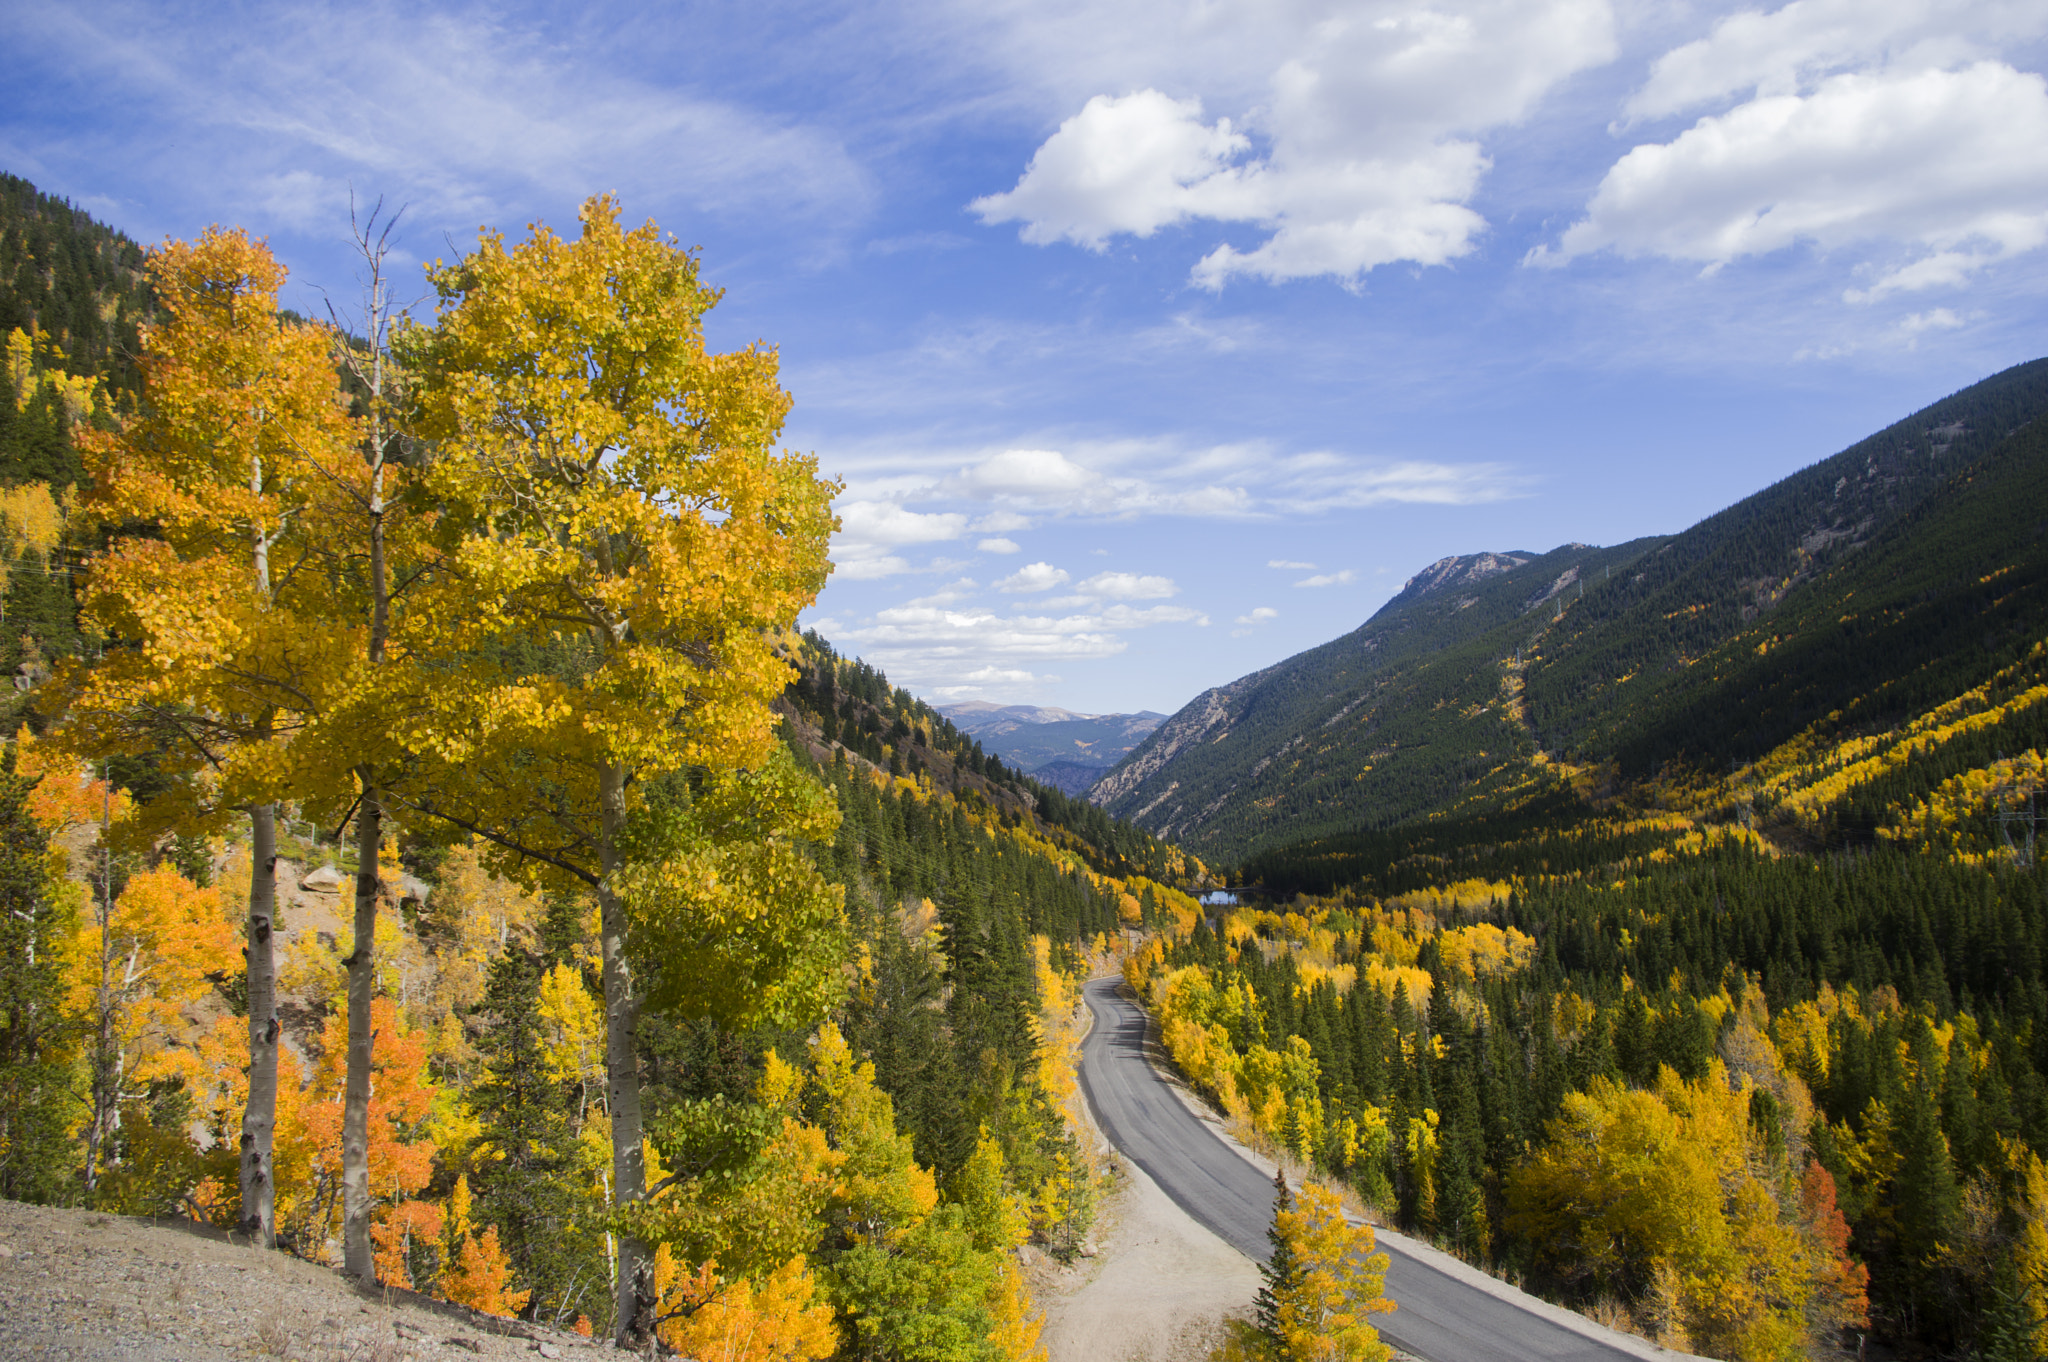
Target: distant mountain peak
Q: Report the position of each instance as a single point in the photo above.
(1461, 570)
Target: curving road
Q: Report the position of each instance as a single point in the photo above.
(1449, 1312)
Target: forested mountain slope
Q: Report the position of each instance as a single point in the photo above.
(928, 1082)
(1706, 647)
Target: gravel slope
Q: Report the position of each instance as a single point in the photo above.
(101, 1288)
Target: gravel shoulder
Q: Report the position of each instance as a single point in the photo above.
(77, 1285)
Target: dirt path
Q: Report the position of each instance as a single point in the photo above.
(1158, 1291)
(77, 1285)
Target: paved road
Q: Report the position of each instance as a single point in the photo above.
(1448, 1312)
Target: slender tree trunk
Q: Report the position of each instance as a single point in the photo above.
(259, 1117)
(358, 1254)
(105, 1071)
(634, 1318)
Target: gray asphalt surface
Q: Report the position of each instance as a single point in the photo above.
(1441, 1317)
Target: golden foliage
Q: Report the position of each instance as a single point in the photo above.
(1341, 1281)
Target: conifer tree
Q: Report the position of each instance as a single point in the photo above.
(35, 1154)
(1279, 1275)
(526, 1148)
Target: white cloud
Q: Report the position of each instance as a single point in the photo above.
(1290, 565)
(1363, 147)
(1259, 615)
(870, 530)
(1028, 474)
(1001, 522)
(1033, 577)
(1779, 52)
(957, 651)
(1215, 483)
(1893, 124)
(1943, 159)
(1329, 579)
(999, 546)
(1127, 586)
(1939, 319)
(868, 568)
(886, 522)
(1132, 164)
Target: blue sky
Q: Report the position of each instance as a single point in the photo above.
(1155, 342)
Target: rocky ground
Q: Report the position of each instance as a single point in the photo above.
(97, 1288)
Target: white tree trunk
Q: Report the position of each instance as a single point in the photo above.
(259, 1117)
(634, 1319)
(359, 1258)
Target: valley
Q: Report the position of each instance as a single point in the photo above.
(1649, 935)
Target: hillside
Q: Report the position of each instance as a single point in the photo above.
(1701, 649)
(954, 907)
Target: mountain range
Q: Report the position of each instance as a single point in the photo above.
(1845, 600)
(1054, 746)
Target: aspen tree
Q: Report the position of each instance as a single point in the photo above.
(365, 495)
(212, 666)
(631, 549)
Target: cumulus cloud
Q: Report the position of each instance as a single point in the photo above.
(1778, 52)
(1361, 150)
(869, 531)
(1259, 615)
(1033, 577)
(1937, 319)
(1127, 586)
(1132, 164)
(1953, 160)
(1014, 489)
(856, 566)
(886, 522)
(1890, 126)
(1329, 579)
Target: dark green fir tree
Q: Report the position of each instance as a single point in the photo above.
(1280, 1274)
(35, 1155)
(524, 1179)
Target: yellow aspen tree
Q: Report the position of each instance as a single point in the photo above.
(1338, 1283)
(210, 663)
(631, 548)
(742, 1321)
(379, 551)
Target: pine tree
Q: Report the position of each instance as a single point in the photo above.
(35, 1153)
(1279, 1275)
(525, 1178)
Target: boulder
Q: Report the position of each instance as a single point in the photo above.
(325, 880)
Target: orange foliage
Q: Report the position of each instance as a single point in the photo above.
(162, 939)
(65, 794)
(481, 1275)
(1840, 1283)
(396, 1230)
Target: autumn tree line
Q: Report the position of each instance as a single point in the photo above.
(713, 1013)
(1748, 1104)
